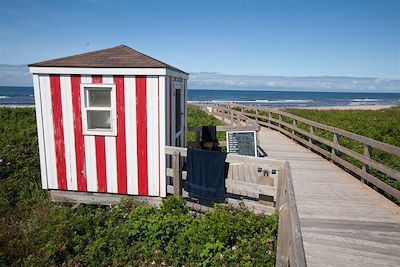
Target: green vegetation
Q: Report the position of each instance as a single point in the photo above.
(197, 117)
(382, 125)
(35, 232)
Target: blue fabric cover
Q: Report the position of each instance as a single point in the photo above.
(206, 174)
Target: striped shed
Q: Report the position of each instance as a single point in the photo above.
(104, 118)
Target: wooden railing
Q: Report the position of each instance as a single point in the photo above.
(229, 116)
(275, 119)
(220, 128)
(234, 120)
(290, 250)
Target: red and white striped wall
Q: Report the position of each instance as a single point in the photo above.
(133, 161)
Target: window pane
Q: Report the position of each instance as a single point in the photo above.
(99, 98)
(98, 119)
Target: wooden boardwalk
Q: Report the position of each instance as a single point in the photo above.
(343, 221)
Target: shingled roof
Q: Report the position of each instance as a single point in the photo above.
(120, 56)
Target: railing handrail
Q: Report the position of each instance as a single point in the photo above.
(223, 110)
(225, 128)
(230, 158)
(290, 248)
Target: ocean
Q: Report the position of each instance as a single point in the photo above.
(16, 96)
(294, 98)
(23, 96)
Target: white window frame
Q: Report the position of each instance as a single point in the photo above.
(85, 108)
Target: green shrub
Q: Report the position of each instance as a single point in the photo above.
(197, 117)
(120, 235)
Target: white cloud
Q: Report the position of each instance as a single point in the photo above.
(18, 75)
(205, 80)
(15, 75)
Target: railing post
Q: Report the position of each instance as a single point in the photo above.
(232, 118)
(257, 115)
(177, 179)
(335, 143)
(310, 138)
(294, 126)
(280, 120)
(269, 117)
(367, 154)
(223, 115)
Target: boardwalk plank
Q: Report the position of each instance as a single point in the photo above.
(343, 221)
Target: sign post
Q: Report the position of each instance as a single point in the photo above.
(241, 143)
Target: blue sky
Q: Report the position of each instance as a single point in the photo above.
(278, 38)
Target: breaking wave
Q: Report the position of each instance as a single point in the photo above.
(285, 101)
(364, 100)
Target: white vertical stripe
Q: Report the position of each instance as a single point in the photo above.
(111, 167)
(68, 126)
(90, 150)
(163, 188)
(155, 136)
(108, 79)
(150, 140)
(91, 171)
(111, 153)
(131, 137)
(167, 116)
(48, 130)
(39, 122)
(152, 134)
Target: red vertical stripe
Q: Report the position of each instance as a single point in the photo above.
(101, 163)
(58, 131)
(78, 133)
(141, 125)
(97, 79)
(121, 136)
(100, 152)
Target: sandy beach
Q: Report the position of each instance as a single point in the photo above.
(348, 107)
(363, 107)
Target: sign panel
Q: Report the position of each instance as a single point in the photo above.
(241, 143)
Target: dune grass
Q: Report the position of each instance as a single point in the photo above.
(197, 117)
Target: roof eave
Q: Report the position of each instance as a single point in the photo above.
(161, 71)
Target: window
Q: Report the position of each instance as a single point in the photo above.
(98, 109)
